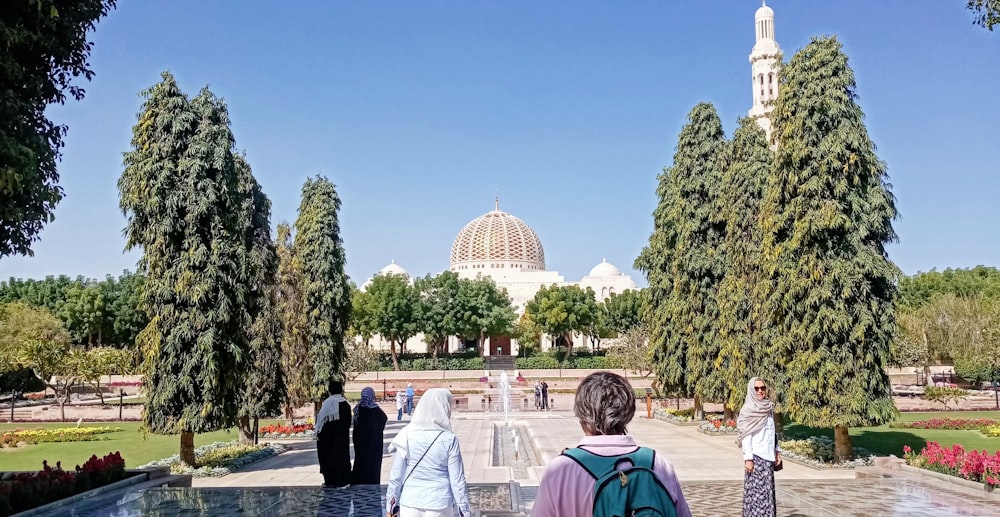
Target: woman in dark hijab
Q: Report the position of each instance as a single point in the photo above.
(369, 428)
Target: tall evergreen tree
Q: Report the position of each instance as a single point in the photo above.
(295, 366)
(827, 218)
(179, 191)
(747, 163)
(326, 290)
(656, 262)
(264, 385)
(698, 261)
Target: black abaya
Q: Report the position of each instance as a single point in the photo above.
(368, 446)
(334, 449)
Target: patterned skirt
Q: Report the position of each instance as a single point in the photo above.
(758, 490)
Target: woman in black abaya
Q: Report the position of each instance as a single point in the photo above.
(369, 429)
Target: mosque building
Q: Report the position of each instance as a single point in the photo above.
(504, 248)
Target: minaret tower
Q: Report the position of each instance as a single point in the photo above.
(764, 61)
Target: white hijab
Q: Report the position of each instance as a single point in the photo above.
(329, 411)
(432, 414)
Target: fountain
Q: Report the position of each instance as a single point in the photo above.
(503, 390)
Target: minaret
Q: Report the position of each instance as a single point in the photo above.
(764, 61)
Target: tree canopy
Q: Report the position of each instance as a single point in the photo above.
(827, 218)
(561, 310)
(987, 13)
(45, 48)
(326, 289)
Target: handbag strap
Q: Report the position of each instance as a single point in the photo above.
(421, 456)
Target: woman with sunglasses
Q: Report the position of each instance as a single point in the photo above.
(760, 450)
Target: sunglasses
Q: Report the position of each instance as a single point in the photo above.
(760, 388)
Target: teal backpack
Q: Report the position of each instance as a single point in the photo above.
(633, 491)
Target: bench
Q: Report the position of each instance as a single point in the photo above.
(20, 415)
(907, 391)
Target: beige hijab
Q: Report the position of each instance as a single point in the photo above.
(754, 413)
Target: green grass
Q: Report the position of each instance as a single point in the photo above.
(884, 440)
(135, 449)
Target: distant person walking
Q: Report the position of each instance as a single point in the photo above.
(604, 405)
(538, 395)
(545, 394)
(428, 476)
(760, 450)
(400, 404)
(409, 398)
(369, 429)
(333, 446)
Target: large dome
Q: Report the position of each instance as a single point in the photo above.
(497, 240)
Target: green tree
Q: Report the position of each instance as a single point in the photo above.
(295, 366)
(485, 311)
(631, 352)
(45, 48)
(923, 288)
(747, 160)
(827, 218)
(122, 296)
(393, 310)
(439, 310)
(180, 194)
(97, 362)
(84, 311)
(696, 264)
(326, 290)
(562, 310)
(264, 385)
(987, 12)
(623, 311)
(31, 337)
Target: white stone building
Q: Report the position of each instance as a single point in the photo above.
(765, 59)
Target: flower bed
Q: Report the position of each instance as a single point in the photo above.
(67, 434)
(972, 465)
(954, 424)
(716, 426)
(991, 430)
(273, 431)
(674, 415)
(817, 451)
(219, 458)
(23, 491)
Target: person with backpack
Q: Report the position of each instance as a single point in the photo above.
(607, 473)
(761, 455)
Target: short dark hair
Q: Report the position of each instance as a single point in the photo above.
(336, 388)
(605, 403)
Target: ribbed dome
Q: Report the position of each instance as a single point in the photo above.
(498, 236)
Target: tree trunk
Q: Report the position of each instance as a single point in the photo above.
(656, 386)
(290, 414)
(779, 425)
(699, 410)
(187, 448)
(100, 392)
(395, 358)
(727, 413)
(246, 433)
(568, 338)
(62, 408)
(256, 430)
(842, 450)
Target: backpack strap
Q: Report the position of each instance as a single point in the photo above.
(597, 465)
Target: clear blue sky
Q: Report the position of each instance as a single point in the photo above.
(420, 111)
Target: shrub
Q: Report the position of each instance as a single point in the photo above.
(944, 395)
(538, 362)
(991, 430)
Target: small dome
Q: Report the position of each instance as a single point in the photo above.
(393, 269)
(605, 269)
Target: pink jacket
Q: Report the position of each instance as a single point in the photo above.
(566, 490)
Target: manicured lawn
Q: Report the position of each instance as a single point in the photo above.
(884, 440)
(134, 447)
